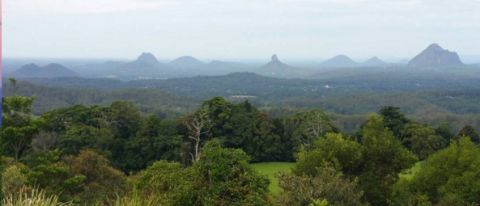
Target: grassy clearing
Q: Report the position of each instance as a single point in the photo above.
(270, 169)
(409, 173)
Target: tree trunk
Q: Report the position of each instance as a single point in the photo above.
(197, 149)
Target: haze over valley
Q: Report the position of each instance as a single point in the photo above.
(252, 102)
(435, 80)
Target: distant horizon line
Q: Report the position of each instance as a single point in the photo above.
(282, 58)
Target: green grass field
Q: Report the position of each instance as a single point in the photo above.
(409, 173)
(270, 169)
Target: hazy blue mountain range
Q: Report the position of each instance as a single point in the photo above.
(147, 66)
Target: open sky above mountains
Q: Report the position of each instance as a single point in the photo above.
(248, 29)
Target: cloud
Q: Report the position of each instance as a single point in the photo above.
(82, 6)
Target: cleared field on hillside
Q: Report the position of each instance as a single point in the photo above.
(270, 169)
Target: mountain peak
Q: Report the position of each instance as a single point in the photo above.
(340, 60)
(52, 70)
(341, 56)
(435, 56)
(275, 58)
(374, 61)
(186, 58)
(186, 61)
(31, 65)
(147, 58)
(277, 68)
(434, 47)
(54, 65)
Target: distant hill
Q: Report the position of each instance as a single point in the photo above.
(217, 67)
(276, 68)
(49, 71)
(187, 62)
(187, 66)
(106, 69)
(359, 93)
(145, 66)
(435, 56)
(339, 61)
(148, 100)
(374, 61)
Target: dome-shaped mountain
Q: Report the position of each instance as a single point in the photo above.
(145, 66)
(187, 62)
(49, 71)
(339, 61)
(374, 61)
(435, 56)
(28, 68)
(146, 59)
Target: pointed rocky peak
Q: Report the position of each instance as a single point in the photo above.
(434, 47)
(147, 58)
(436, 56)
(275, 58)
(277, 68)
(275, 61)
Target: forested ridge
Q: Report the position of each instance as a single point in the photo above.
(116, 154)
(348, 102)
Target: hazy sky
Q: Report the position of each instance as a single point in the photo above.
(238, 29)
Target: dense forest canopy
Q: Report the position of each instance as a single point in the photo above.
(348, 95)
(117, 154)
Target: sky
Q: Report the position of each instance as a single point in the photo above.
(238, 29)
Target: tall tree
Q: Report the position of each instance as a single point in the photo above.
(334, 150)
(448, 177)
(445, 131)
(101, 182)
(421, 140)
(18, 125)
(306, 127)
(469, 131)
(393, 119)
(384, 157)
(124, 118)
(198, 125)
(224, 176)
